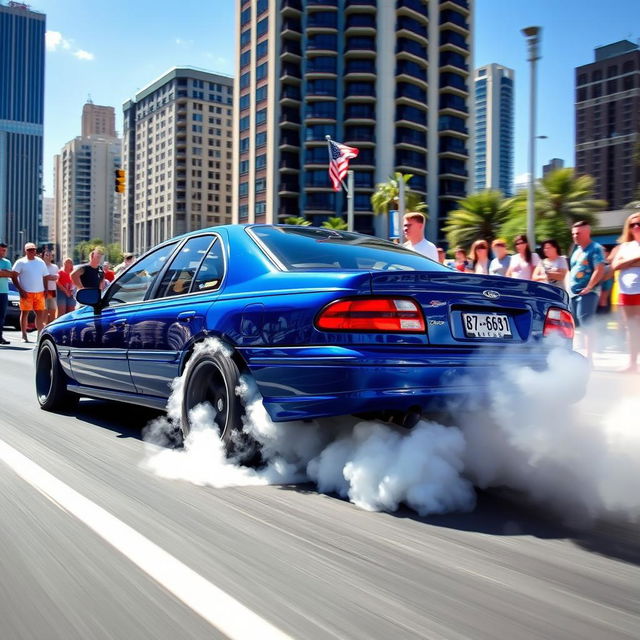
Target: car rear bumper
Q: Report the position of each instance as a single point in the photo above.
(299, 383)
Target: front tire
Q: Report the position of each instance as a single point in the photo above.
(212, 378)
(51, 381)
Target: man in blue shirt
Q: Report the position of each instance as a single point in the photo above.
(587, 267)
(5, 274)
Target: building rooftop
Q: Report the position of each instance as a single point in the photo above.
(614, 49)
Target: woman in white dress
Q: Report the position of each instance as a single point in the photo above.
(523, 262)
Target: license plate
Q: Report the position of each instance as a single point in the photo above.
(486, 325)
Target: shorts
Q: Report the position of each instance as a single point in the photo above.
(32, 301)
(66, 301)
(629, 299)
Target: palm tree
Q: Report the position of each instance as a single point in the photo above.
(335, 223)
(561, 199)
(385, 198)
(297, 220)
(480, 216)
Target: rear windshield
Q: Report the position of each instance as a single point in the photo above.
(308, 248)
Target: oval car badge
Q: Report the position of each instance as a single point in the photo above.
(490, 293)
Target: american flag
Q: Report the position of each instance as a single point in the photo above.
(339, 156)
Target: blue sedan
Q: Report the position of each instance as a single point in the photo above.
(326, 322)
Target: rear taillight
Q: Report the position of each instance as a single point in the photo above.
(372, 314)
(559, 322)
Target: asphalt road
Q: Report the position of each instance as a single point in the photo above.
(311, 565)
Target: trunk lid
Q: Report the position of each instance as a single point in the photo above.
(468, 309)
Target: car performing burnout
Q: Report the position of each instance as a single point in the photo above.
(327, 323)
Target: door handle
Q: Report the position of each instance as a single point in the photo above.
(119, 323)
(186, 316)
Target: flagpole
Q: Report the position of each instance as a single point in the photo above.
(350, 200)
(348, 189)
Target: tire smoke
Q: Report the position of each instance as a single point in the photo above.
(523, 434)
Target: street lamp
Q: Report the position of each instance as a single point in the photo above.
(532, 34)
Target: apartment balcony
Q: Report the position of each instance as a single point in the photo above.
(453, 83)
(412, 117)
(409, 48)
(454, 189)
(412, 8)
(453, 105)
(413, 27)
(411, 138)
(455, 131)
(360, 6)
(289, 139)
(452, 169)
(286, 187)
(360, 91)
(452, 147)
(360, 46)
(410, 94)
(291, 28)
(290, 8)
(359, 113)
(453, 41)
(450, 61)
(455, 21)
(290, 72)
(290, 95)
(322, 22)
(290, 119)
(360, 24)
(290, 50)
(322, 4)
(321, 68)
(407, 70)
(360, 70)
(322, 43)
(457, 5)
(289, 162)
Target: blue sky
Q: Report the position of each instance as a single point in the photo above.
(110, 50)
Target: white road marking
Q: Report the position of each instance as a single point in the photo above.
(214, 605)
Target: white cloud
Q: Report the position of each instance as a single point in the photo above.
(184, 43)
(55, 41)
(81, 54)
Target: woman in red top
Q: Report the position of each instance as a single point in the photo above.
(66, 290)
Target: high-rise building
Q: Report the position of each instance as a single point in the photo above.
(388, 77)
(608, 121)
(21, 124)
(177, 155)
(98, 120)
(48, 220)
(554, 163)
(86, 205)
(494, 128)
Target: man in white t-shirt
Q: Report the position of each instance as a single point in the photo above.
(50, 293)
(30, 279)
(413, 227)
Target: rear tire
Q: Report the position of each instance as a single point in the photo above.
(212, 378)
(51, 381)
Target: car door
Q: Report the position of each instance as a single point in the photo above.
(100, 337)
(163, 331)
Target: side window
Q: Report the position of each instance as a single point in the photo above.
(133, 285)
(177, 278)
(211, 270)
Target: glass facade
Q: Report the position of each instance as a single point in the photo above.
(494, 141)
(21, 125)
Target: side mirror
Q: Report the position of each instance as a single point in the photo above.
(90, 297)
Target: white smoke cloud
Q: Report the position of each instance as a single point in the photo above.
(525, 435)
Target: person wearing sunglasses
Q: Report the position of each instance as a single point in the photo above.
(627, 262)
(524, 261)
(479, 255)
(31, 279)
(501, 259)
